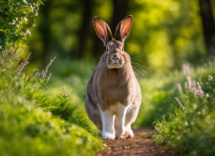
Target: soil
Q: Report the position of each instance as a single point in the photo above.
(142, 144)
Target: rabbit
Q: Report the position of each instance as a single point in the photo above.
(113, 93)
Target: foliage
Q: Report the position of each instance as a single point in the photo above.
(14, 14)
(165, 33)
(42, 123)
(191, 128)
(33, 122)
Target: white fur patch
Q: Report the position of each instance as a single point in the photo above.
(113, 122)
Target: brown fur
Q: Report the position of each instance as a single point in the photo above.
(109, 86)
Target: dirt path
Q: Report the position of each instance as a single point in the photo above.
(142, 144)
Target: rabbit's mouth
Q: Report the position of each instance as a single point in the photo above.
(115, 64)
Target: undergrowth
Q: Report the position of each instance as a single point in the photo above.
(32, 121)
(37, 123)
(190, 128)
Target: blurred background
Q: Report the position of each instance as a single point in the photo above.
(164, 34)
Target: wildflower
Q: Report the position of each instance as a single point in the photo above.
(210, 78)
(179, 103)
(36, 14)
(207, 95)
(28, 32)
(0, 47)
(67, 95)
(189, 83)
(13, 23)
(25, 19)
(33, 25)
(22, 66)
(43, 74)
(179, 88)
(16, 19)
(156, 128)
(63, 90)
(36, 75)
(32, 9)
(48, 78)
(199, 90)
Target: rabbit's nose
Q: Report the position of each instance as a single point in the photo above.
(115, 57)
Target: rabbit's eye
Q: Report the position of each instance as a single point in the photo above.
(107, 49)
(122, 49)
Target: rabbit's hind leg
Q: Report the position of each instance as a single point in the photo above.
(93, 113)
(120, 121)
(131, 116)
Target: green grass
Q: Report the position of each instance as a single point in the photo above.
(35, 122)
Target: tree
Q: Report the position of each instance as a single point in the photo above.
(208, 25)
(85, 25)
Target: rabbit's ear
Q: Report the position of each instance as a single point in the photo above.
(102, 30)
(123, 28)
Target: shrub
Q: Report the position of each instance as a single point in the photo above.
(191, 128)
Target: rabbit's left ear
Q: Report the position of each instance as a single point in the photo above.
(123, 28)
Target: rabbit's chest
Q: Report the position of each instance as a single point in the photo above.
(115, 91)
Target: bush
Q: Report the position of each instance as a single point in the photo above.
(191, 128)
(14, 15)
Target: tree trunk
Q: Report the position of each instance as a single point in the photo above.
(45, 29)
(208, 25)
(120, 8)
(84, 31)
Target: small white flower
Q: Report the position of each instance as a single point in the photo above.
(32, 9)
(210, 78)
(16, 18)
(25, 19)
(33, 25)
(186, 124)
(0, 47)
(13, 23)
(36, 14)
(17, 26)
(28, 32)
(207, 95)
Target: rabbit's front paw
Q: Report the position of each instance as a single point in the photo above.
(129, 133)
(122, 137)
(108, 136)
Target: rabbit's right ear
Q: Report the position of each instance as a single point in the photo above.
(102, 29)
